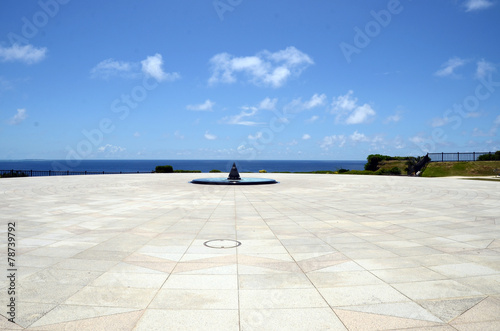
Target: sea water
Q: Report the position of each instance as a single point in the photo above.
(202, 165)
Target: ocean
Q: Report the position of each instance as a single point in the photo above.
(203, 165)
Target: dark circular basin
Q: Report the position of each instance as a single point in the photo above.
(242, 181)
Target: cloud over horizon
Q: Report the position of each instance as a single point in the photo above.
(110, 67)
(151, 66)
(19, 117)
(472, 5)
(27, 53)
(263, 69)
(448, 68)
(206, 106)
(349, 112)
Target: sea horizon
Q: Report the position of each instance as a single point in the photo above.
(203, 165)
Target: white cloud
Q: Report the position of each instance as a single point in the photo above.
(19, 117)
(268, 104)
(358, 137)
(152, 66)
(110, 67)
(206, 106)
(439, 121)
(313, 119)
(417, 139)
(306, 136)
(258, 135)
(27, 53)
(484, 68)
(264, 68)
(472, 5)
(497, 121)
(345, 102)
(247, 112)
(241, 118)
(332, 141)
(349, 112)
(360, 115)
(315, 101)
(137, 134)
(110, 149)
(448, 68)
(297, 105)
(394, 118)
(209, 136)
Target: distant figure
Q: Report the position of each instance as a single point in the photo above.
(234, 174)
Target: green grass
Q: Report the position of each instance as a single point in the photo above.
(476, 168)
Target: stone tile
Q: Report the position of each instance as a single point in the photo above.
(126, 279)
(485, 311)
(120, 321)
(195, 299)
(435, 250)
(197, 268)
(282, 280)
(410, 310)
(489, 285)
(405, 275)
(347, 278)
(290, 319)
(388, 263)
(82, 264)
(361, 295)
(483, 326)
(165, 319)
(68, 313)
(112, 297)
(343, 266)
(435, 289)
(354, 320)
(201, 282)
(281, 298)
(29, 312)
(447, 310)
(464, 270)
(46, 292)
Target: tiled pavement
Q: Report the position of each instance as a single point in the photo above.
(318, 252)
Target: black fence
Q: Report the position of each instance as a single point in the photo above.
(37, 173)
(455, 157)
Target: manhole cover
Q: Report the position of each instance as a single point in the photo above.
(222, 243)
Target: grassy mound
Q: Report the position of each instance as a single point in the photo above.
(476, 168)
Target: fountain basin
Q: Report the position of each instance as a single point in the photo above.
(242, 181)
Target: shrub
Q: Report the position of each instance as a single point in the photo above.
(342, 170)
(215, 170)
(373, 160)
(394, 171)
(360, 172)
(164, 169)
(489, 157)
(16, 173)
(262, 171)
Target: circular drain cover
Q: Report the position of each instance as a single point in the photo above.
(222, 243)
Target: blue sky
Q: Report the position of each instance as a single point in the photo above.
(241, 79)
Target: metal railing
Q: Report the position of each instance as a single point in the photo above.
(38, 173)
(455, 157)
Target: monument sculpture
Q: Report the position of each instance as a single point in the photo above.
(234, 178)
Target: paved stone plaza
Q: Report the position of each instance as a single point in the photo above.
(318, 252)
